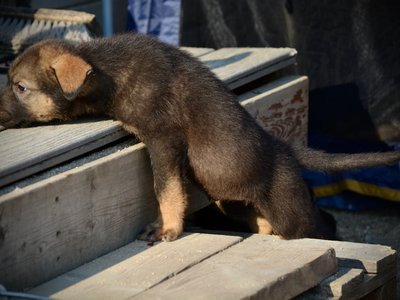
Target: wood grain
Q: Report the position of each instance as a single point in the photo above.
(57, 224)
(371, 258)
(26, 151)
(256, 268)
(126, 273)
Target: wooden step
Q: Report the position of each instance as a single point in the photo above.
(199, 266)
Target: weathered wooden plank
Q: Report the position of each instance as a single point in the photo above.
(337, 286)
(124, 274)
(238, 66)
(371, 258)
(257, 268)
(343, 281)
(59, 223)
(55, 137)
(24, 151)
(281, 107)
(197, 51)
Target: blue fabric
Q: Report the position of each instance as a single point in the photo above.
(156, 17)
(355, 202)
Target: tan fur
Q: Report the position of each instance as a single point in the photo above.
(131, 129)
(42, 108)
(173, 203)
(71, 72)
(245, 213)
(263, 226)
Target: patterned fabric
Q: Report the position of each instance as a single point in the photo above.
(155, 17)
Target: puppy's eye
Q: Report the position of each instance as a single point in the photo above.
(20, 87)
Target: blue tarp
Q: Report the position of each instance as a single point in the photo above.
(155, 17)
(357, 189)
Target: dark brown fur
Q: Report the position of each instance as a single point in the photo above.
(194, 128)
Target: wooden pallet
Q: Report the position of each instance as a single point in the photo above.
(209, 266)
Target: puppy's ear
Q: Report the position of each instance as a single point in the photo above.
(71, 72)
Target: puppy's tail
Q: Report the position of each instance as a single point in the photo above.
(334, 162)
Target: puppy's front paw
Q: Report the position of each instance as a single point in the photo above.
(168, 235)
(155, 232)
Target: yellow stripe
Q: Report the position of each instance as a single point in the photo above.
(362, 188)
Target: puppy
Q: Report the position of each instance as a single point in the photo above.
(194, 128)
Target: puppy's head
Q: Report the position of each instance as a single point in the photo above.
(43, 82)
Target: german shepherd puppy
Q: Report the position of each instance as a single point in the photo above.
(193, 127)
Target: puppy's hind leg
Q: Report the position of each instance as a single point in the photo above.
(288, 207)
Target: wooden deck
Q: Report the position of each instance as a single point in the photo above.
(57, 221)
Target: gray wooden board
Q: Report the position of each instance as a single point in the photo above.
(42, 237)
(25, 151)
(338, 285)
(32, 148)
(257, 268)
(371, 258)
(126, 273)
(238, 66)
(59, 223)
(349, 284)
